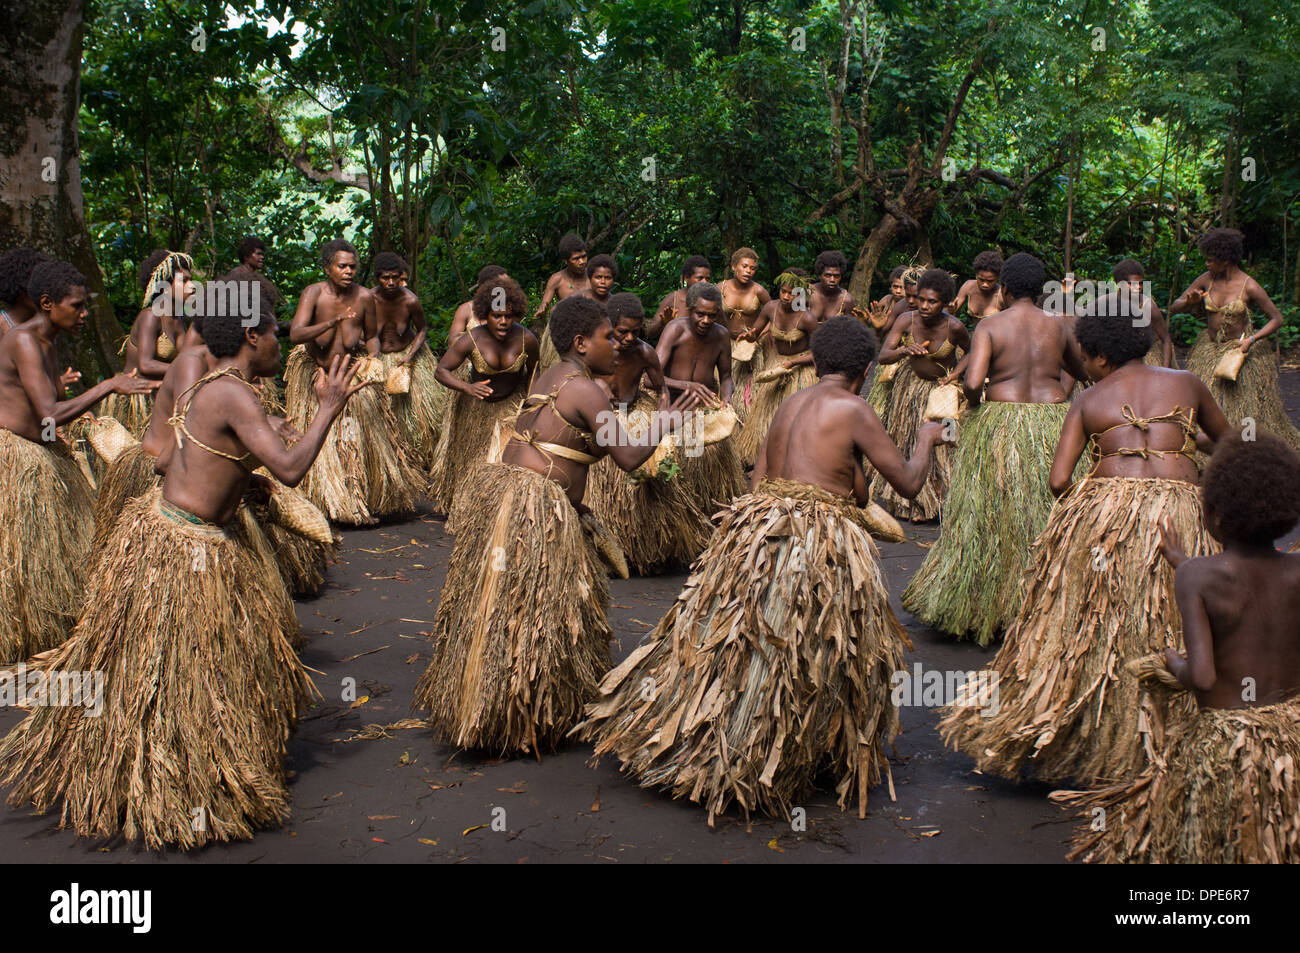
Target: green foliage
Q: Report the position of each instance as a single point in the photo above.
(459, 133)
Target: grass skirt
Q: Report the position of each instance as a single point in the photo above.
(361, 472)
(997, 505)
(520, 640)
(302, 562)
(547, 355)
(1220, 788)
(1253, 394)
(1097, 593)
(1156, 356)
(902, 417)
(774, 661)
(127, 477)
(419, 412)
(767, 399)
(46, 526)
(132, 410)
(656, 521)
(714, 477)
(201, 688)
(467, 440)
(742, 376)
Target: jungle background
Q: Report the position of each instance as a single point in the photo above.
(459, 134)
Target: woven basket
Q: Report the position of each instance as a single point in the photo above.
(881, 525)
(773, 374)
(887, 372)
(1153, 668)
(399, 380)
(944, 403)
(370, 369)
(714, 426)
(292, 510)
(164, 348)
(109, 438)
(1229, 365)
(743, 351)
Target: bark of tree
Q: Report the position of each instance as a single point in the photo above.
(41, 204)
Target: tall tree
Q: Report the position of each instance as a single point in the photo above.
(40, 167)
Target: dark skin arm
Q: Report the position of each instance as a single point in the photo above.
(725, 385)
(1196, 670)
(256, 432)
(456, 355)
(977, 366)
(422, 323)
(148, 327)
(1068, 449)
(301, 329)
(872, 441)
(44, 396)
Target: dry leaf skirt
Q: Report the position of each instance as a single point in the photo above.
(419, 412)
(46, 525)
(711, 475)
(1253, 394)
(200, 690)
(132, 410)
(767, 399)
(903, 415)
(1220, 787)
(361, 472)
(520, 640)
(547, 355)
(127, 477)
(656, 522)
(999, 501)
(1097, 593)
(775, 661)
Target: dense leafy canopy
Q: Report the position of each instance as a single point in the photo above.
(463, 133)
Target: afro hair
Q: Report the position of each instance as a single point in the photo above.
(830, 259)
(843, 345)
(938, 280)
(624, 305)
(1222, 244)
(248, 245)
(488, 295)
(988, 261)
(144, 271)
(1252, 488)
(1126, 269)
(740, 254)
(16, 268)
(693, 262)
(332, 248)
(1023, 276)
(602, 261)
(388, 261)
(1115, 338)
(55, 279)
(575, 315)
(224, 333)
(487, 273)
(705, 290)
(570, 245)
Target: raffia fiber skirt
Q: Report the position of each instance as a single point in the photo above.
(655, 520)
(47, 523)
(200, 691)
(1254, 394)
(361, 472)
(902, 418)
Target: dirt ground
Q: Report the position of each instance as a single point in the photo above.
(402, 797)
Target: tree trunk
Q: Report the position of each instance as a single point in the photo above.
(881, 237)
(40, 170)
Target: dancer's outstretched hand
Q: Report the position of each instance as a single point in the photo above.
(334, 388)
(1171, 547)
